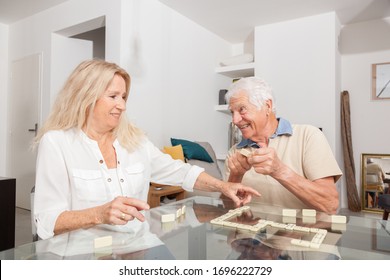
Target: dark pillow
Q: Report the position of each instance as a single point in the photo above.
(192, 150)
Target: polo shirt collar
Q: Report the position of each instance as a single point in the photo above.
(284, 128)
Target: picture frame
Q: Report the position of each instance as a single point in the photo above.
(380, 81)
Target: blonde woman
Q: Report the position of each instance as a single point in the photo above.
(94, 167)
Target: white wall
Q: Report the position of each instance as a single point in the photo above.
(300, 60)
(3, 96)
(174, 86)
(361, 47)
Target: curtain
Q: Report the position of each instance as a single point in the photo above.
(349, 165)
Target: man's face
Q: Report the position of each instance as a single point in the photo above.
(247, 117)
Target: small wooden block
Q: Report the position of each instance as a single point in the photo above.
(104, 241)
(245, 152)
(168, 218)
(339, 219)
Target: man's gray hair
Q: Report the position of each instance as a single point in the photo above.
(257, 89)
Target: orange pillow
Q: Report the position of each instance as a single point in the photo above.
(176, 152)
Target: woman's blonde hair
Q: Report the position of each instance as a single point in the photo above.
(85, 85)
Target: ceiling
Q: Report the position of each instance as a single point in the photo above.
(14, 10)
(232, 20)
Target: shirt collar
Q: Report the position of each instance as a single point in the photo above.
(284, 128)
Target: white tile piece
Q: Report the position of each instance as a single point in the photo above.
(309, 220)
(279, 225)
(217, 222)
(315, 245)
(168, 218)
(183, 209)
(178, 213)
(314, 229)
(295, 241)
(289, 212)
(104, 241)
(303, 229)
(245, 152)
(290, 227)
(338, 227)
(289, 220)
(338, 219)
(309, 212)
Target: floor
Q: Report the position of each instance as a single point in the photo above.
(23, 233)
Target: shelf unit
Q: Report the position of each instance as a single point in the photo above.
(234, 71)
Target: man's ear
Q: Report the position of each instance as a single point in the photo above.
(268, 103)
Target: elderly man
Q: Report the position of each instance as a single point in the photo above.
(292, 166)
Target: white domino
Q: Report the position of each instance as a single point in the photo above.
(104, 241)
(289, 220)
(168, 218)
(309, 212)
(338, 219)
(245, 152)
(289, 212)
(178, 213)
(309, 220)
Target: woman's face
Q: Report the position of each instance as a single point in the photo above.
(110, 106)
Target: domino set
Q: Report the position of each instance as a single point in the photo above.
(314, 243)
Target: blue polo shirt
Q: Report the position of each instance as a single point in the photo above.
(284, 128)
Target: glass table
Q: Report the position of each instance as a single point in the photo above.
(191, 236)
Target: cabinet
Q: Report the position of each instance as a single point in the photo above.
(7, 212)
(234, 71)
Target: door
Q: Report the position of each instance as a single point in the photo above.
(24, 116)
(66, 54)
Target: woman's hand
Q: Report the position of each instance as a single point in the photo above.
(238, 193)
(122, 210)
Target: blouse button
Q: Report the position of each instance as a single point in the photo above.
(122, 180)
(101, 161)
(109, 179)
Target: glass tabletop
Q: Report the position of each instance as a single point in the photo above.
(192, 236)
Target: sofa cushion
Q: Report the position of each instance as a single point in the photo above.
(176, 152)
(192, 150)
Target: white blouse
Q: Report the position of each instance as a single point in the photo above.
(71, 175)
